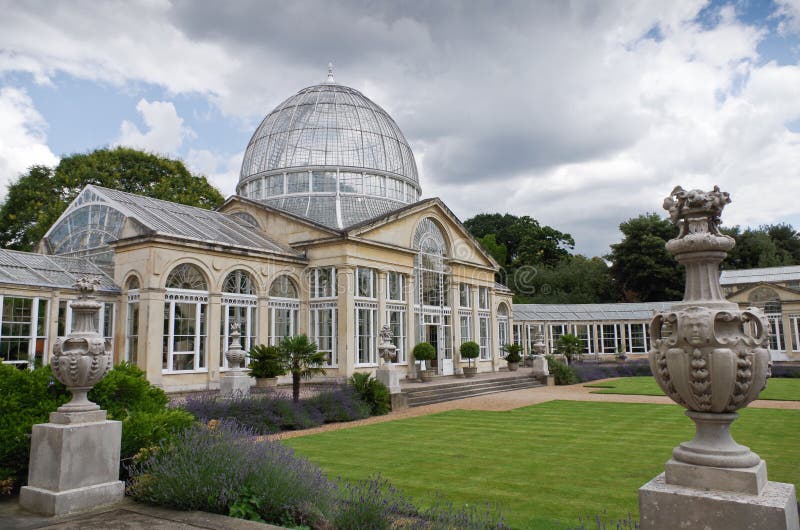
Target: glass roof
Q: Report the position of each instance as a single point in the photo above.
(588, 312)
(27, 268)
(767, 274)
(332, 155)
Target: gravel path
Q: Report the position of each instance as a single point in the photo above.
(515, 399)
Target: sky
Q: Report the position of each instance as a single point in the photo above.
(580, 114)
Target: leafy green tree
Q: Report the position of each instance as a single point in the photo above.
(37, 198)
(574, 280)
(301, 358)
(765, 246)
(496, 250)
(642, 269)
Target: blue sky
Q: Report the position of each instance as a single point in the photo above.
(578, 114)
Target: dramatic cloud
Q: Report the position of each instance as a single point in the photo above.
(23, 141)
(165, 129)
(578, 114)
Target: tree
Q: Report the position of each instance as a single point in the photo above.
(301, 358)
(574, 280)
(765, 246)
(37, 198)
(496, 250)
(642, 269)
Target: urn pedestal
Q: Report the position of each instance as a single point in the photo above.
(74, 460)
(711, 358)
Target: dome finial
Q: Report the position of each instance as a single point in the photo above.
(330, 74)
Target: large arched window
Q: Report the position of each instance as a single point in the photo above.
(185, 320)
(239, 304)
(502, 326)
(284, 303)
(431, 282)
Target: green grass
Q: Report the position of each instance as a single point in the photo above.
(783, 389)
(544, 465)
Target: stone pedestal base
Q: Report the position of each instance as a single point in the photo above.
(399, 401)
(234, 383)
(73, 465)
(665, 506)
(749, 480)
(389, 376)
(540, 366)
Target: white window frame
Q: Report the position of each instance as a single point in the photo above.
(401, 280)
(314, 326)
(32, 336)
(250, 305)
(485, 336)
(199, 299)
(130, 333)
(465, 323)
(371, 295)
(401, 340)
(464, 295)
(775, 321)
(372, 315)
(483, 297)
(283, 304)
(553, 336)
(314, 283)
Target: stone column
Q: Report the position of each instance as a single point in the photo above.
(263, 320)
(213, 346)
(455, 327)
(704, 360)
(74, 459)
(345, 332)
(411, 327)
(382, 295)
(151, 333)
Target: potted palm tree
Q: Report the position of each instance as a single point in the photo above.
(265, 365)
(470, 350)
(513, 356)
(569, 346)
(424, 352)
(300, 357)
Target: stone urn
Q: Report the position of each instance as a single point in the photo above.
(235, 354)
(708, 355)
(82, 358)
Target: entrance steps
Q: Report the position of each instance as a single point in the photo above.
(433, 392)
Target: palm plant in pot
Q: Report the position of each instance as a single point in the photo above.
(301, 358)
(265, 365)
(424, 352)
(470, 350)
(513, 356)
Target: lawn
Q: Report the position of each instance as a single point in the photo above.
(544, 465)
(784, 389)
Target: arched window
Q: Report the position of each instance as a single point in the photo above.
(185, 320)
(284, 304)
(188, 277)
(431, 282)
(132, 322)
(502, 326)
(239, 304)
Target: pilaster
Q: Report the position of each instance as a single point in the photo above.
(151, 333)
(345, 332)
(212, 339)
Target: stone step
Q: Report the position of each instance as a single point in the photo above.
(434, 385)
(419, 397)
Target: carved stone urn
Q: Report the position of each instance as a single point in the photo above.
(386, 350)
(83, 357)
(235, 354)
(708, 355)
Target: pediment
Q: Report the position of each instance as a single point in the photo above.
(762, 292)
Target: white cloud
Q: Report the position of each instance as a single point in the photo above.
(165, 129)
(222, 171)
(23, 141)
(789, 14)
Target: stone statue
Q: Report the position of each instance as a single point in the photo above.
(83, 357)
(386, 348)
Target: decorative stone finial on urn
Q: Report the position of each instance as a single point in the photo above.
(708, 355)
(235, 354)
(83, 357)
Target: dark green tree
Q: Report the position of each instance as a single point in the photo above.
(642, 269)
(765, 246)
(496, 250)
(37, 198)
(574, 280)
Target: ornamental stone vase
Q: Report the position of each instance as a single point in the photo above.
(84, 357)
(235, 354)
(708, 355)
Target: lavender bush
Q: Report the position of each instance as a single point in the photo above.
(603, 522)
(590, 371)
(275, 411)
(213, 468)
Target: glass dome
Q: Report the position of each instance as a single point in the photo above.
(330, 154)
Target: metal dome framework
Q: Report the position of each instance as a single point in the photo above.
(330, 154)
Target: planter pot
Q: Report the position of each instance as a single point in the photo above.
(527, 363)
(513, 367)
(426, 375)
(266, 382)
(470, 371)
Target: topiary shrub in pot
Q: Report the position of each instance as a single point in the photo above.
(513, 356)
(424, 352)
(266, 365)
(470, 350)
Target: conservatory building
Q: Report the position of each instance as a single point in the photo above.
(327, 236)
